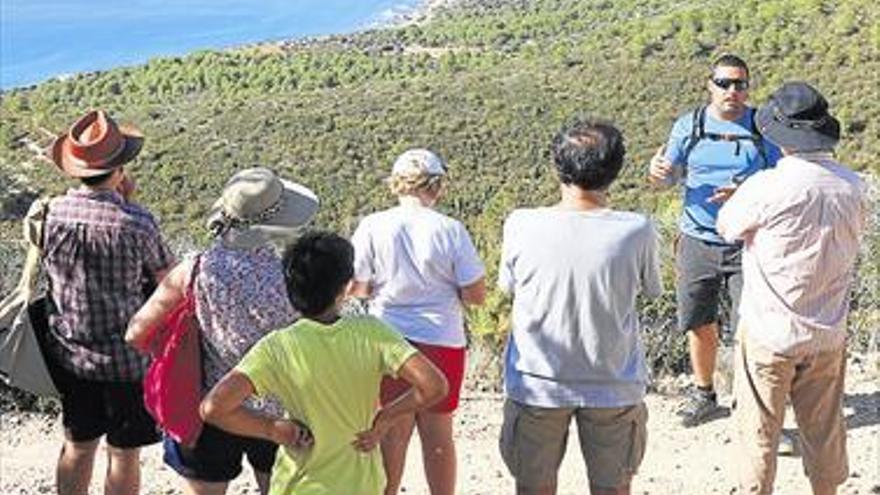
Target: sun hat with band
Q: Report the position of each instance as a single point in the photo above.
(796, 118)
(95, 145)
(257, 206)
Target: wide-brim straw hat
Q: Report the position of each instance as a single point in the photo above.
(257, 206)
(95, 145)
(796, 118)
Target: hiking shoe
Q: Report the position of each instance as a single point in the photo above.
(787, 443)
(700, 407)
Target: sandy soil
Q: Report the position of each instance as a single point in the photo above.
(678, 461)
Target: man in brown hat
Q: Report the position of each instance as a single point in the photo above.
(100, 252)
(801, 223)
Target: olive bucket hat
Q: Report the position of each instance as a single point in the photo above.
(257, 206)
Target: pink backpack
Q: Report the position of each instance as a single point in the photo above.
(173, 383)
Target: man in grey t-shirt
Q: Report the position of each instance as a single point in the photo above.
(574, 270)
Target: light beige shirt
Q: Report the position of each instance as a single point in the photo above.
(801, 223)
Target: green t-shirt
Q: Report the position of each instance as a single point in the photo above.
(328, 377)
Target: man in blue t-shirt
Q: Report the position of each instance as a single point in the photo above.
(710, 151)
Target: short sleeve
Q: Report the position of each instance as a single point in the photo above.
(157, 255)
(260, 367)
(506, 279)
(363, 253)
(393, 349)
(677, 141)
(652, 283)
(466, 262)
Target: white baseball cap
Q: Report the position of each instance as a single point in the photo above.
(417, 161)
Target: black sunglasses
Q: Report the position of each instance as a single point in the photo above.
(726, 83)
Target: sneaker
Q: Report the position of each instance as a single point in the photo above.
(787, 443)
(700, 407)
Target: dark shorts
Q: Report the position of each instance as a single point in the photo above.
(449, 360)
(217, 455)
(91, 409)
(704, 271)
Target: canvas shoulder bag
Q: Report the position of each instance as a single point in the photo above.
(24, 322)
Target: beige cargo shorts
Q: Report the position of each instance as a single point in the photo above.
(533, 441)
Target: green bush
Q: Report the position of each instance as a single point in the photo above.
(484, 84)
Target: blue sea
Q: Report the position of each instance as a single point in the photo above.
(41, 39)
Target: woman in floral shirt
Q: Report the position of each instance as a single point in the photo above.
(240, 296)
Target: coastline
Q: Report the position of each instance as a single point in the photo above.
(419, 14)
(394, 17)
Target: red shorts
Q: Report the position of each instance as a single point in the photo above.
(450, 361)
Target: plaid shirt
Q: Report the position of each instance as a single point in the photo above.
(101, 255)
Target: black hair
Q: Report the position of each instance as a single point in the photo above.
(588, 154)
(96, 180)
(316, 268)
(730, 60)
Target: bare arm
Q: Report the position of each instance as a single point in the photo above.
(170, 291)
(428, 387)
(223, 408)
(360, 290)
(475, 293)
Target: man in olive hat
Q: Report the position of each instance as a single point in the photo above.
(100, 251)
(801, 224)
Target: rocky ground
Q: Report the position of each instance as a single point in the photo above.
(678, 461)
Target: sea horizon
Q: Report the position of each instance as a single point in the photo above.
(42, 40)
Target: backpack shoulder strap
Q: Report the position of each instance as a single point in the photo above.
(758, 140)
(698, 130)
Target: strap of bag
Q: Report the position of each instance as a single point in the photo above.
(698, 133)
(190, 288)
(33, 235)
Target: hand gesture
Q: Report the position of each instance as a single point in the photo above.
(366, 441)
(661, 170)
(292, 434)
(722, 193)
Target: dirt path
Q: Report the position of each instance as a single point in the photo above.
(679, 461)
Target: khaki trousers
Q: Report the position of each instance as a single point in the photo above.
(814, 381)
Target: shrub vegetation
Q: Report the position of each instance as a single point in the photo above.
(486, 84)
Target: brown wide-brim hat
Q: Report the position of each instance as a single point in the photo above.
(95, 145)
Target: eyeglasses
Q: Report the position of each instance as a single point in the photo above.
(725, 83)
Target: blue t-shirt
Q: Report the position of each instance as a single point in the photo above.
(713, 163)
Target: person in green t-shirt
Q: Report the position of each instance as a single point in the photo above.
(325, 370)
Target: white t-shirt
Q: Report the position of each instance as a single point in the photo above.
(416, 260)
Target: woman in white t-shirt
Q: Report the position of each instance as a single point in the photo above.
(418, 267)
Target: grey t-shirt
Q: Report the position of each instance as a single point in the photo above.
(574, 276)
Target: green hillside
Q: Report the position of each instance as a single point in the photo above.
(486, 84)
